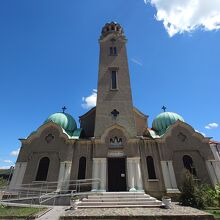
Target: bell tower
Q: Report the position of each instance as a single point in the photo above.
(114, 98)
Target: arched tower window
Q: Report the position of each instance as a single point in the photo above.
(43, 169)
(188, 164)
(150, 167)
(113, 51)
(82, 168)
(114, 79)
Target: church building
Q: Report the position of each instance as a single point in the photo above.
(114, 142)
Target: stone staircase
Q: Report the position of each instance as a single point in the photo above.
(119, 199)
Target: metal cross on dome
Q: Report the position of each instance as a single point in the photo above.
(64, 109)
(164, 108)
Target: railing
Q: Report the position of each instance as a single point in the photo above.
(45, 191)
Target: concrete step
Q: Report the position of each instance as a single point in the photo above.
(121, 193)
(120, 206)
(119, 203)
(120, 196)
(116, 199)
(119, 199)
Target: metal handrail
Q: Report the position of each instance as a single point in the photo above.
(44, 189)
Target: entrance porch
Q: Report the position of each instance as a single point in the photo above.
(117, 174)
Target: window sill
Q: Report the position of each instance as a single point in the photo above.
(114, 89)
(153, 180)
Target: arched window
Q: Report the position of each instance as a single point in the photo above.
(114, 79)
(150, 168)
(188, 164)
(111, 50)
(82, 168)
(115, 50)
(43, 169)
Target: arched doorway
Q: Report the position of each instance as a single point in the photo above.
(43, 169)
(151, 168)
(82, 168)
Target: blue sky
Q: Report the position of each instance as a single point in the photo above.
(49, 58)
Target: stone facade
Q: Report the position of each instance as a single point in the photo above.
(115, 133)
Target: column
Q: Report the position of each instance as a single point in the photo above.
(103, 174)
(134, 174)
(18, 175)
(139, 184)
(169, 176)
(130, 173)
(214, 171)
(172, 175)
(95, 185)
(64, 175)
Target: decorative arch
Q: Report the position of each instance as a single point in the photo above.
(43, 169)
(188, 164)
(82, 168)
(108, 130)
(188, 127)
(41, 129)
(151, 168)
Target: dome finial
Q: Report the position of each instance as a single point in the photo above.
(164, 108)
(64, 109)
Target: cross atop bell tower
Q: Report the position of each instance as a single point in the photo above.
(114, 89)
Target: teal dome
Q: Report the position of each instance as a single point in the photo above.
(164, 120)
(64, 120)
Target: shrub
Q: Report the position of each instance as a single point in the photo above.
(217, 195)
(198, 195)
(209, 195)
(191, 193)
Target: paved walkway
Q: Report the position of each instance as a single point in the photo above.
(54, 213)
(176, 212)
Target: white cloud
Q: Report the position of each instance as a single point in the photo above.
(15, 152)
(136, 62)
(6, 161)
(4, 167)
(211, 125)
(90, 101)
(180, 16)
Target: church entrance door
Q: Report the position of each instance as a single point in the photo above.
(116, 175)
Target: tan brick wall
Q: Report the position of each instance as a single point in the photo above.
(107, 99)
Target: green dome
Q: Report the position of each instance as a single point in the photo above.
(64, 120)
(164, 120)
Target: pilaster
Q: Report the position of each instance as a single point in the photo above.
(64, 175)
(214, 171)
(18, 175)
(99, 172)
(169, 176)
(134, 174)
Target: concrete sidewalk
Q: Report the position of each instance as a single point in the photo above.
(54, 213)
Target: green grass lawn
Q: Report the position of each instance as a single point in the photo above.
(19, 211)
(215, 212)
